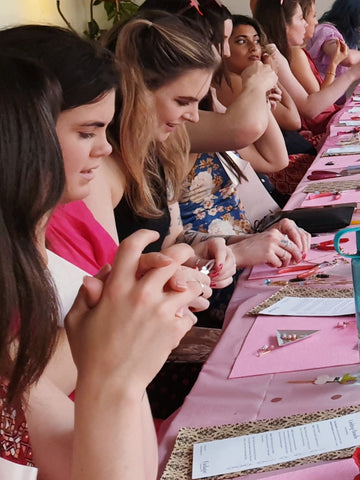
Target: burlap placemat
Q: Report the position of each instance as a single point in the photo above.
(179, 466)
(334, 186)
(297, 291)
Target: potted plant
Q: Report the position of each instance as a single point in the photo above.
(116, 11)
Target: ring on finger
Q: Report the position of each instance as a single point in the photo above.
(285, 240)
(202, 288)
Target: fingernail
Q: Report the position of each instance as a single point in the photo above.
(213, 284)
(181, 284)
(304, 256)
(219, 267)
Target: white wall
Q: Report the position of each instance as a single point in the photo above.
(77, 11)
(242, 6)
(45, 11)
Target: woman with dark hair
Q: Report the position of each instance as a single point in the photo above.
(285, 26)
(303, 65)
(27, 198)
(340, 23)
(247, 43)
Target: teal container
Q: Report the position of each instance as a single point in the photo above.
(355, 268)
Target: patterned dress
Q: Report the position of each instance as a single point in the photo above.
(14, 435)
(209, 202)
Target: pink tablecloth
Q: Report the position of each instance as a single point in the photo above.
(215, 399)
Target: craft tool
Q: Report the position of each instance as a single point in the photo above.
(322, 174)
(307, 270)
(327, 245)
(335, 195)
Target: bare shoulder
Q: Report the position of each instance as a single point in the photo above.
(106, 191)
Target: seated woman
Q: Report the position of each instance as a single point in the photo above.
(87, 108)
(102, 443)
(284, 25)
(247, 43)
(338, 24)
(157, 96)
(306, 72)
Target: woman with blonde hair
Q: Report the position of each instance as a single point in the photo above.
(160, 89)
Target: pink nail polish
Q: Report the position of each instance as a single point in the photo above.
(213, 284)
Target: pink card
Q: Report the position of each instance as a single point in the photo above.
(328, 347)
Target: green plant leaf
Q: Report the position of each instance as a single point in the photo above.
(93, 29)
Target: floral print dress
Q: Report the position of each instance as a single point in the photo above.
(209, 202)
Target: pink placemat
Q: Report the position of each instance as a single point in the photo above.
(339, 470)
(312, 256)
(328, 347)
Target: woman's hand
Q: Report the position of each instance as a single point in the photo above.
(297, 235)
(224, 267)
(259, 72)
(274, 97)
(124, 327)
(341, 52)
(272, 247)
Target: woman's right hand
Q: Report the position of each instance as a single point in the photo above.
(341, 52)
(261, 74)
(124, 327)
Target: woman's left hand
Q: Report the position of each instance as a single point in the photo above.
(224, 267)
(297, 235)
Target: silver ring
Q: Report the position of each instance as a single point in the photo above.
(285, 241)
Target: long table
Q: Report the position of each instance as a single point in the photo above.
(217, 400)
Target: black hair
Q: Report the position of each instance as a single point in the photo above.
(32, 181)
(85, 70)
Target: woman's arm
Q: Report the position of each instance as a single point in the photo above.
(301, 68)
(268, 154)
(311, 105)
(285, 113)
(121, 333)
(243, 122)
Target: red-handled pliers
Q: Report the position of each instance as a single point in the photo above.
(335, 195)
(307, 270)
(322, 174)
(327, 245)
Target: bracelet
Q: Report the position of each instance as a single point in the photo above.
(330, 73)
